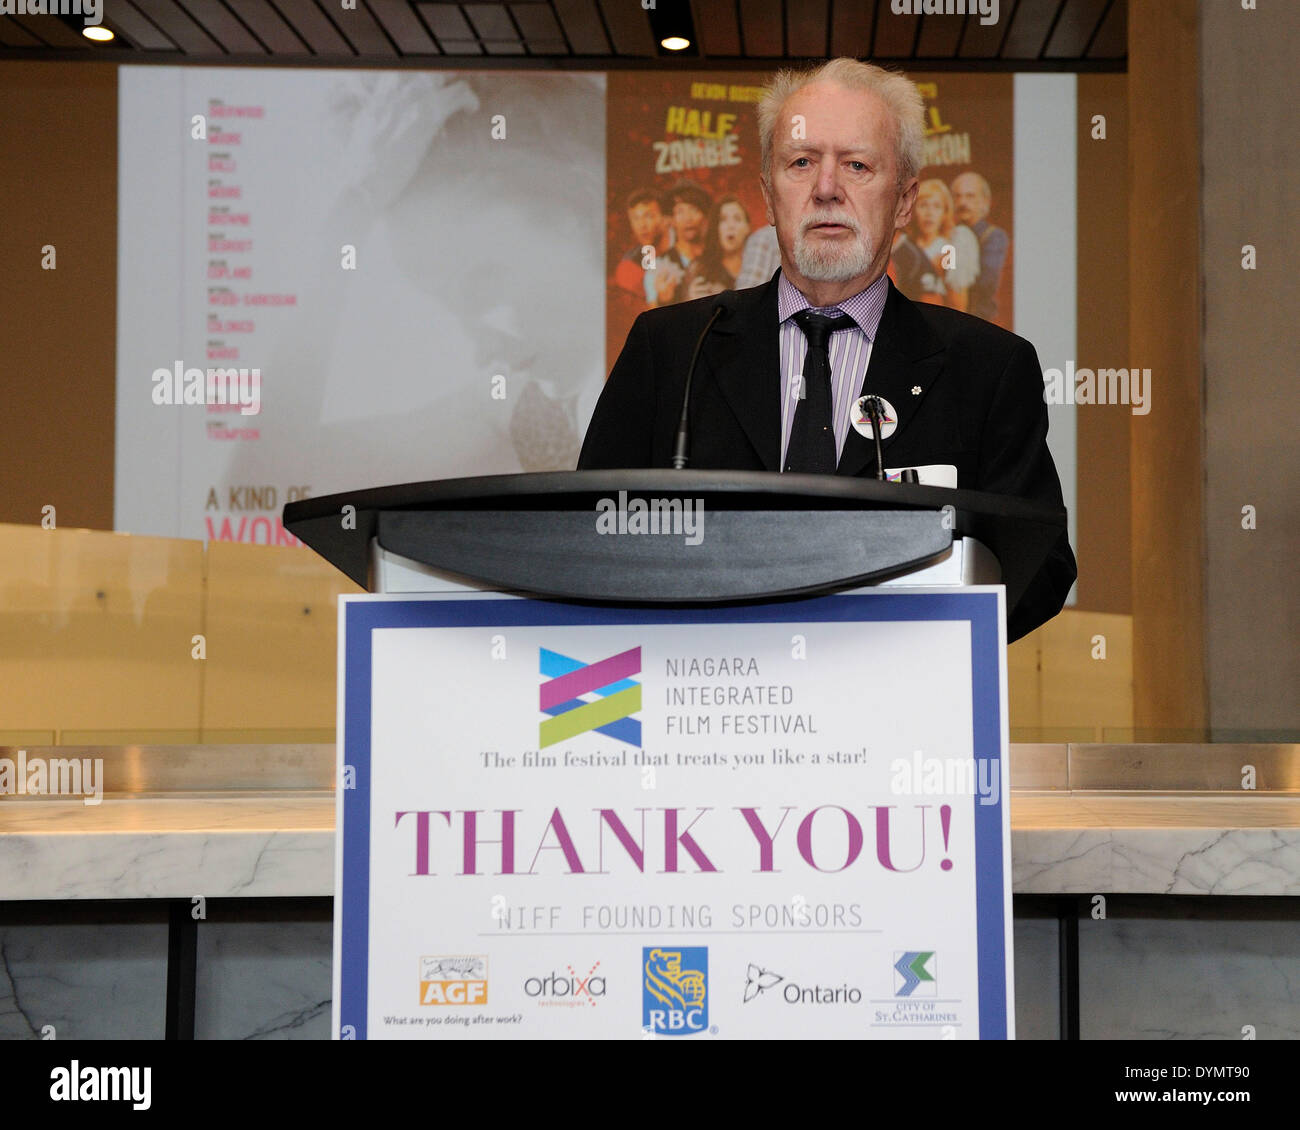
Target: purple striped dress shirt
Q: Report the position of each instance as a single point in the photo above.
(850, 351)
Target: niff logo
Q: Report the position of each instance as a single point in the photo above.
(676, 990)
(573, 991)
(915, 973)
(454, 979)
(582, 697)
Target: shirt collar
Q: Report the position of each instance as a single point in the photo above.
(865, 307)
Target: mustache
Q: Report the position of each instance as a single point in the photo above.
(810, 222)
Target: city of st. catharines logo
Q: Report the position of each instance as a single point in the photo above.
(582, 697)
(675, 990)
(914, 974)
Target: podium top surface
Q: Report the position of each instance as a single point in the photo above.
(768, 534)
(740, 489)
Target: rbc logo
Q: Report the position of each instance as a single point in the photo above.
(676, 988)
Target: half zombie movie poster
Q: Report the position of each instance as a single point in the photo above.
(682, 179)
(686, 217)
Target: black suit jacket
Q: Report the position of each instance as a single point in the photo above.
(967, 393)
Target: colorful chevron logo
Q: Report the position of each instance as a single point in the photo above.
(600, 696)
(911, 968)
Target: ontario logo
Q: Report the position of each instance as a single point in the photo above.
(582, 697)
(675, 1001)
(455, 979)
(914, 973)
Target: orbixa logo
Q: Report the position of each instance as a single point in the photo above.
(581, 697)
(232, 387)
(680, 517)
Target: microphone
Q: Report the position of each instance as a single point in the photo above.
(682, 444)
(872, 406)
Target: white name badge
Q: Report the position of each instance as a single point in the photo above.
(931, 475)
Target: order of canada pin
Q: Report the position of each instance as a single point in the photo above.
(861, 418)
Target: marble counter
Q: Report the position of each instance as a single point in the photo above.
(282, 845)
(258, 846)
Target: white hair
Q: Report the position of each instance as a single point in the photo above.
(896, 90)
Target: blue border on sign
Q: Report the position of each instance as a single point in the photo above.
(979, 609)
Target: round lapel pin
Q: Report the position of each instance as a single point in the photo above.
(861, 418)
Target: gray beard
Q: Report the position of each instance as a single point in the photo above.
(829, 263)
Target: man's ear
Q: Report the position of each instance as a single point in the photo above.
(767, 201)
(907, 198)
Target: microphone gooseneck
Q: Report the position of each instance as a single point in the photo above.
(681, 445)
(873, 410)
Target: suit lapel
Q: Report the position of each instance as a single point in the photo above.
(745, 362)
(905, 357)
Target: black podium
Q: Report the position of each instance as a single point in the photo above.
(756, 535)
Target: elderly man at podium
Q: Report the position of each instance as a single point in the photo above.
(795, 375)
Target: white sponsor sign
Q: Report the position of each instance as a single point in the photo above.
(770, 821)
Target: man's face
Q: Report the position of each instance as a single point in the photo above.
(689, 221)
(834, 197)
(646, 221)
(969, 203)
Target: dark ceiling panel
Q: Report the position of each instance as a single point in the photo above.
(53, 31)
(217, 21)
(807, 30)
(1075, 28)
(12, 34)
(715, 24)
(851, 22)
(267, 24)
(446, 22)
(629, 28)
(539, 28)
(1030, 27)
(984, 41)
(760, 29)
(180, 28)
(314, 29)
(361, 30)
(1033, 35)
(580, 21)
(404, 27)
(1112, 36)
(940, 35)
(491, 21)
(136, 30)
(451, 29)
(895, 34)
